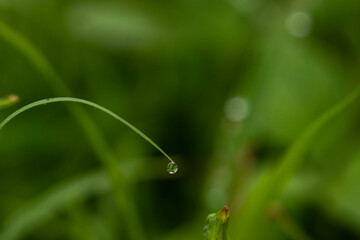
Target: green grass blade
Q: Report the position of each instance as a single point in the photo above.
(126, 204)
(273, 183)
(85, 102)
(216, 227)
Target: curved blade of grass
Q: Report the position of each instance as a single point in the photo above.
(276, 179)
(45, 206)
(94, 105)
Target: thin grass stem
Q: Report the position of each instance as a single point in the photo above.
(85, 102)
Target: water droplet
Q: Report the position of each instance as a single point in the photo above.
(172, 168)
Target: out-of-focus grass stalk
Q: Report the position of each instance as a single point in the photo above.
(122, 193)
(39, 210)
(44, 206)
(275, 180)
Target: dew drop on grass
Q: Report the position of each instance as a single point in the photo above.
(172, 168)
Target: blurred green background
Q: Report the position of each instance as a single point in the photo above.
(224, 87)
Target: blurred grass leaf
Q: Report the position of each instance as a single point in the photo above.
(216, 227)
(112, 25)
(45, 206)
(272, 184)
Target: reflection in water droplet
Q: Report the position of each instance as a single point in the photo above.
(172, 168)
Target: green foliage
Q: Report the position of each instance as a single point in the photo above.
(232, 89)
(217, 225)
(44, 207)
(85, 102)
(275, 180)
(21, 224)
(94, 135)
